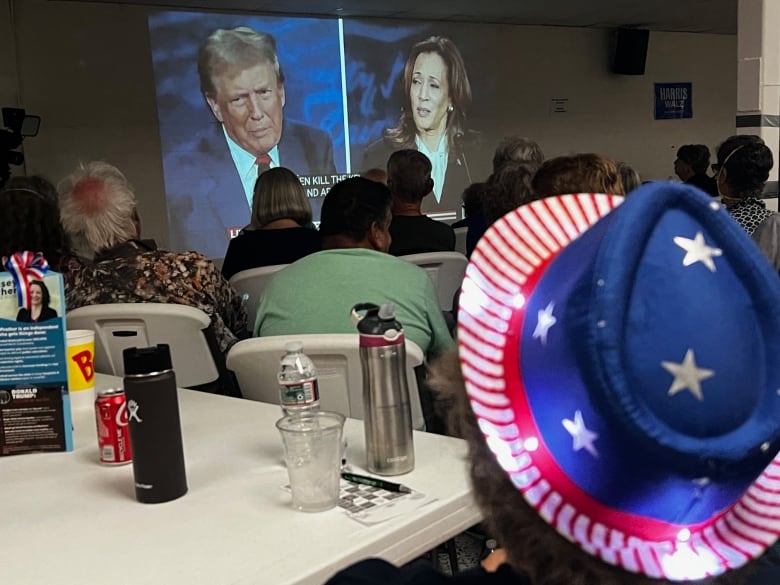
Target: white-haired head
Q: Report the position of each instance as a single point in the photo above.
(98, 206)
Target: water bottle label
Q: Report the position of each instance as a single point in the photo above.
(299, 393)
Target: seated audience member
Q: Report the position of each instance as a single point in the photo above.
(474, 216)
(579, 173)
(517, 149)
(629, 177)
(509, 188)
(409, 180)
(30, 216)
(280, 231)
(656, 461)
(691, 166)
(375, 174)
(99, 206)
(316, 293)
(743, 167)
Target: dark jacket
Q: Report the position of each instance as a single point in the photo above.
(378, 572)
(415, 234)
(705, 183)
(255, 248)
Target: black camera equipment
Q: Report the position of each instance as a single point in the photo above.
(17, 125)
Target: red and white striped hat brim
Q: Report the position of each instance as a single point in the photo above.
(502, 273)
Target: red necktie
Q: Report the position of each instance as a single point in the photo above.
(263, 163)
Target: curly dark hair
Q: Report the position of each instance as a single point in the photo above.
(697, 156)
(473, 195)
(747, 161)
(532, 546)
(508, 189)
(30, 216)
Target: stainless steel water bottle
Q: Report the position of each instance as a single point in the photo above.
(155, 427)
(386, 406)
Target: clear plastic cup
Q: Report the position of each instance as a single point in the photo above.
(312, 452)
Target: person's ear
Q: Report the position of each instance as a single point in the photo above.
(428, 185)
(214, 105)
(374, 235)
(378, 238)
(281, 94)
(721, 182)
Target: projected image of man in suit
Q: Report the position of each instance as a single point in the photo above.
(243, 84)
(247, 100)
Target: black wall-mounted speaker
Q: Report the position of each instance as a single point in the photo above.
(630, 52)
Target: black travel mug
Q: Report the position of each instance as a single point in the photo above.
(155, 427)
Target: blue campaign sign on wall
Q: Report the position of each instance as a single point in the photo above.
(673, 101)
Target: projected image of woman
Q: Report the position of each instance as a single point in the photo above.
(436, 95)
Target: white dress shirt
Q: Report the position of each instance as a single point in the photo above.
(439, 159)
(246, 165)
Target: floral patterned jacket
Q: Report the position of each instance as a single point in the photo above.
(133, 272)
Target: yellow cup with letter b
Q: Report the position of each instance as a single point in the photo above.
(81, 367)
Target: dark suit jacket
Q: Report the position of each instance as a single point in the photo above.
(204, 192)
(463, 168)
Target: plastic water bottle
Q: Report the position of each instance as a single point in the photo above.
(298, 390)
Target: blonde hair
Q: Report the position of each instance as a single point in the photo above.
(97, 206)
(279, 194)
(629, 177)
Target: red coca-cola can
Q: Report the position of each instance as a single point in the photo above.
(112, 429)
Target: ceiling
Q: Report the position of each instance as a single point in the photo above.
(703, 16)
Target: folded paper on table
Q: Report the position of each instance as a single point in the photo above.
(370, 505)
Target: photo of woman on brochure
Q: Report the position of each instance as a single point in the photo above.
(39, 310)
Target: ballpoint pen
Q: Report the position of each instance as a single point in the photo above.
(376, 482)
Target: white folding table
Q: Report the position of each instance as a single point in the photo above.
(67, 519)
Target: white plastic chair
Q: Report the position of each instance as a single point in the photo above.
(446, 270)
(250, 284)
(460, 239)
(186, 330)
(337, 359)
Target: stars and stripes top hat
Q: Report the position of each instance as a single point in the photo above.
(621, 358)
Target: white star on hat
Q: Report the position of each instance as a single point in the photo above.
(687, 376)
(696, 250)
(545, 320)
(583, 437)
